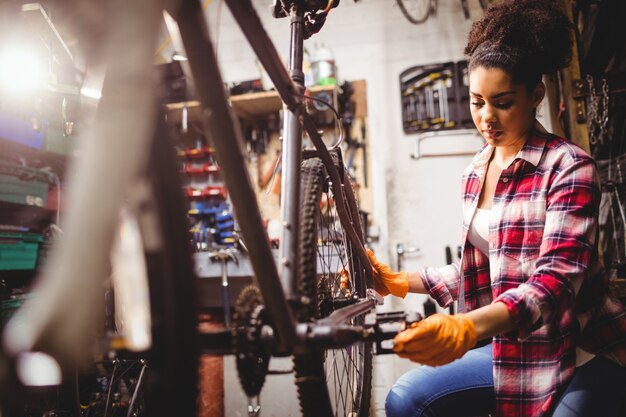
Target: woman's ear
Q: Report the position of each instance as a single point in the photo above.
(539, 93)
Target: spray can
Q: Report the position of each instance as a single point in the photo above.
(323, 66)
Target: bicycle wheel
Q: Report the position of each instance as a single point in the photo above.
(485, 4)
(170, 386)
(338, 377)
(416, 11)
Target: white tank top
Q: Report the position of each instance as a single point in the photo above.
(478, 234)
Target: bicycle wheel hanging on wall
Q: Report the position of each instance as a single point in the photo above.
(417, 11)
(339, 377)
(485, 4)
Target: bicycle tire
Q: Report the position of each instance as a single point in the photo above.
(416, 11)
(171, 380)
(335, 382)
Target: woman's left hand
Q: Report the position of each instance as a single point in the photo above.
(437, 340)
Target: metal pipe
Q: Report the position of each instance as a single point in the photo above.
(226, 139)
(291, 159)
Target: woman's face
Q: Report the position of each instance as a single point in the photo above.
(502, 111)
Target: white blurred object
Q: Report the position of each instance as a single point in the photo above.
(130, 285)
(37, 369)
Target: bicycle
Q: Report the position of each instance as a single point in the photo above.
(300, 312)
(418, 11)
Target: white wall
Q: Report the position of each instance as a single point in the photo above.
(416, 202)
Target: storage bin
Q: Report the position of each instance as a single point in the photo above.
(18, 251)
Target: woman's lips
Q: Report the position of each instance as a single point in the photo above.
(492, 134)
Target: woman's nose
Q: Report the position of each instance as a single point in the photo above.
(489, 116)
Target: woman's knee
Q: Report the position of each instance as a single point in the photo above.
(414, 393)
(399, 403)
(410, 394)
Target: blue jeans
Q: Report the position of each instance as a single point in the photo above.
(464, 388)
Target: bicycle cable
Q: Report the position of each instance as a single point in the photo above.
(338, 119)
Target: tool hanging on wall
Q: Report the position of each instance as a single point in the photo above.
(224, 256)
(434, 97)
(272, 176)
(597, 111)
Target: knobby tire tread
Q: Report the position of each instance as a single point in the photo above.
(310, 367)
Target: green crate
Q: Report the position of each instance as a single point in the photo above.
(24, 185)
(18, 251)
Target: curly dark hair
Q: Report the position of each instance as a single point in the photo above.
(525, 38)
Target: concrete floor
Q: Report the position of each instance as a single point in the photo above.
(279, 397)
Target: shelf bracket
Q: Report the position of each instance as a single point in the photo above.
(417, 153)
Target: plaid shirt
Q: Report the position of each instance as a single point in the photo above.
(542, 264)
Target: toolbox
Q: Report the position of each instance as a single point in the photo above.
(19, 251)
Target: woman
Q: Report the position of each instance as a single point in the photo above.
(529, 282)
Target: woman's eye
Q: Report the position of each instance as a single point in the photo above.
(476, 104)
(504, 105)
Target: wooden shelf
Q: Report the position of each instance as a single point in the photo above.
(248, 106)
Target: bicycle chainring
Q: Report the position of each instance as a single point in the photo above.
(252, 357)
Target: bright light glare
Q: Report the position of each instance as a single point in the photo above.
(91, 93)
(21, 70)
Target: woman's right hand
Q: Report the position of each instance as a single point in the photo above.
(387, 281)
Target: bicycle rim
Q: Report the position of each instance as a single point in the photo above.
(415, 11)
(338, 377)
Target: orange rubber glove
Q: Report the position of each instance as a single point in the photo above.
(436, 340)
(387, 281)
